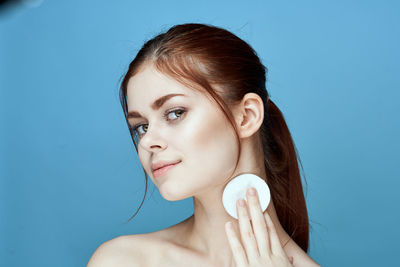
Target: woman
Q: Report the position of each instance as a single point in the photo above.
(195, 98)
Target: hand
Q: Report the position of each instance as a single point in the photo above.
(262, 244)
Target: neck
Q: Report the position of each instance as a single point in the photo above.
(205, 229)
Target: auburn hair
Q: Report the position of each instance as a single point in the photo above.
(214, 60)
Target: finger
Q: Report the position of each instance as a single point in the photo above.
(246, 232)
(237, 250)
(276, 246)
(259, 224)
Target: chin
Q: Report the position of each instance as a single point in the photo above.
(172, 192)
(170, 196)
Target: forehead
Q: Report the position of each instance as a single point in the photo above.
(149, 84)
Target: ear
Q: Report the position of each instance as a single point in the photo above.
(249, 115)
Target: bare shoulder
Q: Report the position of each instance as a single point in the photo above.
(300, 257)
(304, 260)
(307, 262)
(119, 251)
(160, 248)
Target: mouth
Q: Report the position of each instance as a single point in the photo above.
(163, 170)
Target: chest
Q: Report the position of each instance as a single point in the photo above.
(172, 256)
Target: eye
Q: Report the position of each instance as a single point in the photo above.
(176, 111)
(177, 115)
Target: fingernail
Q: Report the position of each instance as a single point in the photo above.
(252, 191)
(241, 202)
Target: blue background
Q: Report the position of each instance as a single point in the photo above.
(70, 176)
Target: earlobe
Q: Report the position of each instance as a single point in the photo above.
(250, 115)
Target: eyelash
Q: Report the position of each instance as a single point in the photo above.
(165, 115)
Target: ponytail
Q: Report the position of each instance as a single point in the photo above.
(283, 176)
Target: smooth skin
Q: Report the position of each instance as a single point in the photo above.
(192, 128)
(261, 243)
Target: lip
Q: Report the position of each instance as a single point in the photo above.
(161, 163)
(164, 169)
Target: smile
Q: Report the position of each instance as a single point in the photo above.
(160, 172)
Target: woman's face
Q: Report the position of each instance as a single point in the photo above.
(189, 128)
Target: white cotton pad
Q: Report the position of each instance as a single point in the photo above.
(237, 189)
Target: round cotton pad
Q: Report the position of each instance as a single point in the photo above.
(237, 189)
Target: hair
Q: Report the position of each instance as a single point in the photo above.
(208, 58)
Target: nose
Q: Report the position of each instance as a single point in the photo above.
(152, 140)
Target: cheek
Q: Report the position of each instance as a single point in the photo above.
(210, 149)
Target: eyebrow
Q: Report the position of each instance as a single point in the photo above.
(155, 106)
